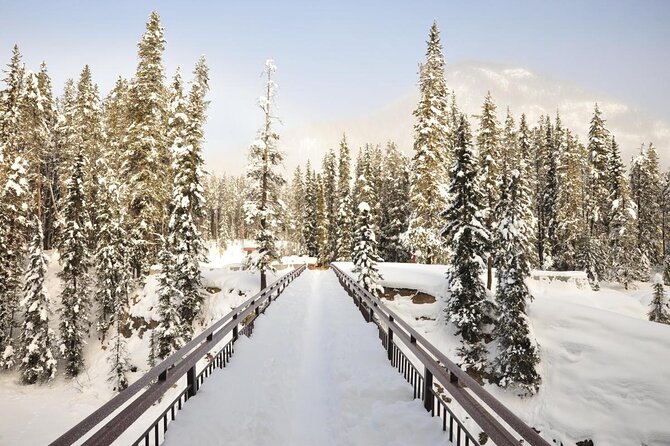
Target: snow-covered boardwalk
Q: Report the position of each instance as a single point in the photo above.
(312, 374)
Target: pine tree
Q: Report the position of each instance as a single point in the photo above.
(645, 185)
(168, 334)
(321, 222)
(262, 205)
(465, 233)
(51, 160)
(113, 273)
(184, 237)
(14, 204)
(345, 218)
(74, 324)
(552, 149)
(296, 210)
(597, 175)
(624, 257)
(116, 120)
(394, 197)
(310, 230)
(488, 141)
(517, 361)
(659, 310)
(146, 160)
(10, 102)
(364, 254)
(431, 157)
(330, 184)
(37, 359)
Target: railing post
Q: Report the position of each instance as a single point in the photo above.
(428, 390)
(389, 343)
(235, 328)
(191, 382)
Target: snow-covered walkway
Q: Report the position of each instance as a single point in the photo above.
(312, 374)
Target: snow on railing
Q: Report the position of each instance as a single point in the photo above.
(441, 380)
(106, 424)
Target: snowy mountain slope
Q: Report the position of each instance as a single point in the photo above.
(604, 365)
(520, 89)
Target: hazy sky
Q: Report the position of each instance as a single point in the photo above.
(341, 59)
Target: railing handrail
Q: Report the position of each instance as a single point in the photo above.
(436, 362)
(161, 377)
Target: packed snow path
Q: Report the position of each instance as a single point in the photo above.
(312, 374)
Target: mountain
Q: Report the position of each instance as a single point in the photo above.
(517, 88)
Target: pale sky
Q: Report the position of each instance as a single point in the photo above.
(340, 60)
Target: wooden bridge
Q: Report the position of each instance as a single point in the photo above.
(463, 412)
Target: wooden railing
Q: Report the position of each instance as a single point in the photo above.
(438, 381)
(107, 423)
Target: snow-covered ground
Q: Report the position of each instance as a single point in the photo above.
(605, 367)
(37, 414)
(312, 374)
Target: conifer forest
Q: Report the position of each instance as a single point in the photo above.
(537, 247)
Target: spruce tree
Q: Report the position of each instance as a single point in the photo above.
(74, 258)
(488, 141)
(598, 151)
(645, 182)
(262, 205)
(345, 218)
(296, 210)
(330, 184)
(624, 255)
(516, 363)
(431, 157)
(658, 308)
(394, 197)
(310, 217)
(116, 120)
(465, 233)
(321, 222)
(146, 160)
(37, 361)
(364, 253)
(168, 334)
(184, 237)
(552, 149)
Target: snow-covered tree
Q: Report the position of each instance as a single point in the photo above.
(116, 120)
(345, 217)
(598, 151)
(330, 183)
(659, 311)
(394, 198)
(168, 333)
(465, 233)
(431, 156)
(15, 201)
(265, 182)
(553, 140)
(296, 221)
(364, 254)
(146, 160)
(74, 323)
(622, 243)
(310, 217)
(645, 183)
(184, 238)
(517, 360)
(37, 361)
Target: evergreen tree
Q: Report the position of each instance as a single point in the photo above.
(10, 102)
(598, 151)
(430, 156)
(37, 361)
(262, 206)
(321, 222)
(394, 198)
(488, 141)
(624, 258)
(550, 193)
(364, 253)
(645, 184)
(310, 230)
(296, 210)
(113, 273)
(167, 336)
(116, 120)
(330, 184)
(659, 310)
(464, 231)
(517, 361)
(345, 218)
(14, 204)
(184, 237)
(74, 324)
(146, 160)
